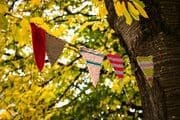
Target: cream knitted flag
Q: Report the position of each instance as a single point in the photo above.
(93, 60)
(54, 47)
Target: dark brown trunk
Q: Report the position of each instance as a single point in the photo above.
(157, 36)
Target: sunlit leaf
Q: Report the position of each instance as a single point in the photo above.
(59, 31)
(39, 21)
(117, 86)
(102, 10)
(119, 8)
(126, 14)
(140, 9)
(3, 8)
(101, 6)
(3, 22)
(5, 115)
(35, 2)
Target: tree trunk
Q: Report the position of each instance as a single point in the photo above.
(157, 36)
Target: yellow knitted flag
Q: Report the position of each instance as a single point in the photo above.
(147, 66)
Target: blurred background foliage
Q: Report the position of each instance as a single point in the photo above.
(62, 91)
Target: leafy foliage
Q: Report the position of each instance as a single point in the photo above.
(130, 9)
(61, 91)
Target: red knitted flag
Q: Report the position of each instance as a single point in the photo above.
(39, 45)
(117, 63)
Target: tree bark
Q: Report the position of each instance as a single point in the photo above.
(157, 36)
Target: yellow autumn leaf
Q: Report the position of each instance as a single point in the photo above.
(126, 79)
(5, 115)
(98, 25)
(95, 2)
(48, 116)
(94, 27)
(3, 22)
(74, 38)
(102, 11)
(3, 8)
(25, 23)
(85, 26)
(118, 8)
(140, 3)
(45, 27)
(16, 64)
(104, 101)
(46, 93)
(113, 107)
(101, 6)
(140, 9)
(116, 102)
(80, 19)
(71, 21)
(35, 2)
(36, 89)
(117, 86)
(22, 33)
(39, 21)
(133, 11)
(126, 14)
(16, 34)
(23, 37)
(59, 30)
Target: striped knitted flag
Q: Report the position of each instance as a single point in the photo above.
(39, 45)
(54, 47)
(93, 60)
(117, 63)
(147, 66)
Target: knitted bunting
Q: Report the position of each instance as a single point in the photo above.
(117, 63)
(43, 42)
(146, 64)
(54, 47)
(93, 60)
(39, 47)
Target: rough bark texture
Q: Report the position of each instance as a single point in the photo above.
(157, 36)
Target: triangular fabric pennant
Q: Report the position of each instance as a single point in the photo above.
(39, 45)
(93, 60)
(117, 63)
(147, 66)
(54, 47)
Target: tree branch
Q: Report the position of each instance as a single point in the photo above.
(12, 5)
(65, 91)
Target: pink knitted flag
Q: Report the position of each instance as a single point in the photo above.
(94, 60)
(117, 63)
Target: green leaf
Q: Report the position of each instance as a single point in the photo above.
(3, 22)
(139, 2)
(126, 14)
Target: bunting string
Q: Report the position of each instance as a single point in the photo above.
(53, 47)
